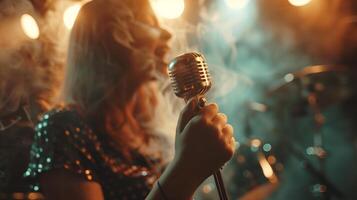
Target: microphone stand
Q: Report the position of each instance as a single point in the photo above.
(312, 169)
(220, 185)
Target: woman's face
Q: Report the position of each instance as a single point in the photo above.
(145, 101)
(150, 36)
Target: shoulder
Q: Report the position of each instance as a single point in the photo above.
(54, 127)
(61, 124)
(60, 138)
(59, 118)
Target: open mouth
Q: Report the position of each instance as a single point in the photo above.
(161, 51)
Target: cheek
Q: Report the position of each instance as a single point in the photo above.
(147, 101)
(150, 102)
(154, 99)
(154, 94)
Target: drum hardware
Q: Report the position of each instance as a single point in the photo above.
(301, 75)
(312, 90)
(256, 166)
(320, 87)
(324, 182)
(253, 170)
(22, 114)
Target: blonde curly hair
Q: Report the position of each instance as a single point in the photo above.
(30, 69)
(108, 63)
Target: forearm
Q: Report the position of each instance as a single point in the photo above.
(177, 183)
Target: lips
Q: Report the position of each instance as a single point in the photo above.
(161, 51)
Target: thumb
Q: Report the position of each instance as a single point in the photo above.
(188, 112)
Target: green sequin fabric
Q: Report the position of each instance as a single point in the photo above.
(64, 141)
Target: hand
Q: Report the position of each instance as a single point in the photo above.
(204, 140)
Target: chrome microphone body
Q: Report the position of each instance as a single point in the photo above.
(190, 78)
(189, 75)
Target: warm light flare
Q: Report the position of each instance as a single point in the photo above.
(30, 26)
(207, 188)
(299, 2)
(169, 9)
(289, 77)
(267, 169)
(236, 4)
(255, 143)
(258, 107)
(70, 15)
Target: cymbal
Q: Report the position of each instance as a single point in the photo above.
(329, 83)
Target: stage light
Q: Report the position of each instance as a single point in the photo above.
(207, 188)
(310, 151)
(236, 4)
(299, 2)
(255, 143)
(267, 169)
(30, 26)
(70, 15)
(169, 9)
(289, 77)
(267, 147)
(258, 107)
(271, 159)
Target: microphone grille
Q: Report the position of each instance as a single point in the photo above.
(189, 75)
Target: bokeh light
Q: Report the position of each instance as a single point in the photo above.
(207, 188)
(299, 2)
(289, 77)
(271, 159)
(256, 143)
(30, 26)
(169, 9)
(236, 4)
(267, 169)
(70, 15)
(267, 147)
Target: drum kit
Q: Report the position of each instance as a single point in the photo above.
(300, 140)
(301, 134)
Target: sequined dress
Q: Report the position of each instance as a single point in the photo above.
(64, 141)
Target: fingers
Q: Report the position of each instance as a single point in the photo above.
(210, 116)
(204, 130)
(209, 111)
(190, 110)
(220, 120)
(227, 133)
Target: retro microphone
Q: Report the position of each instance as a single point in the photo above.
(190, 79)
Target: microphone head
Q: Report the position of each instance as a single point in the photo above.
(189, 75)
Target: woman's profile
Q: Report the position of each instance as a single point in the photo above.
(95, 146)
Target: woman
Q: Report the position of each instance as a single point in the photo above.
(96, 147)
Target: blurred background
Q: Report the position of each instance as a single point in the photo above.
(284, 71)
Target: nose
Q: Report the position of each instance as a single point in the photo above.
(165, 35)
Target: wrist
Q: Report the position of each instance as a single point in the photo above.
(179, 181)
